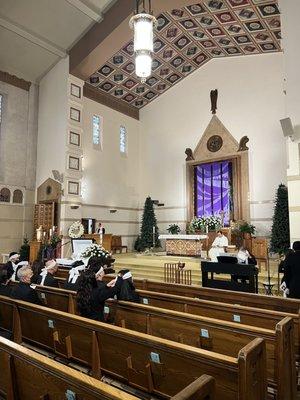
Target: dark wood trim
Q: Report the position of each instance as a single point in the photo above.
(14, 81)
(94, 94)
(105, 39)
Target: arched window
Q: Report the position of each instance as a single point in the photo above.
(5, 195)
(123, 140)
(18, 196)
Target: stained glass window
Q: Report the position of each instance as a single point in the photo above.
(213, 190)
(123, 140)
(97, 130)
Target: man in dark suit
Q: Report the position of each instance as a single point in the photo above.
(23, 291)
(46, 277)
(292, 272)
(100, 229)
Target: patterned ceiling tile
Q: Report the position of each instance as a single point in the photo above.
(188, 38)
(215, 5)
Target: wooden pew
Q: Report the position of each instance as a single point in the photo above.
(246, 299)
(27, 375)
(154, 365)
(65, 300)
(38, 377)
(216, 335)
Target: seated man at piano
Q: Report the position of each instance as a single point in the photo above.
(218, 246)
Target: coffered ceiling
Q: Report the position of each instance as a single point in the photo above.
(186, 39)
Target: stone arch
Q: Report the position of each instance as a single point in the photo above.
(5, 195)
(18, 196)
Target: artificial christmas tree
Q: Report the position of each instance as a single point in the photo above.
(24, 250)
(147, 231)
(280, 236)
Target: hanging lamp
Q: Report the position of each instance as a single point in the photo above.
(143, 23)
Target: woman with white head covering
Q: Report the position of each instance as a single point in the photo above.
(243, 256)
(12, 263)
(21, 264)
(93, 292)
(72, 282)
(46, 277)
(127, 292)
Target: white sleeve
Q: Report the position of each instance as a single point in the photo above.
(224, 241)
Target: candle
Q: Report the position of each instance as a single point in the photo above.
(206, 228)
(44, 234)
(38, 235)
(153, 230)
(50, 232)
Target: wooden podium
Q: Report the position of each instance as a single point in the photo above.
(106, 239)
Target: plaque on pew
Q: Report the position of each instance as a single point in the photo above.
(238, 277)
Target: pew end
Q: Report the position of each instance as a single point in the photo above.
(202, 388)
(252, 360)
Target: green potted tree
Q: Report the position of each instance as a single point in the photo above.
(173, 229)
(247, 230)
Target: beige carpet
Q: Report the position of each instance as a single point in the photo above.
(151, 266)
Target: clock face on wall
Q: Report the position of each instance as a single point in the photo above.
(214, 143)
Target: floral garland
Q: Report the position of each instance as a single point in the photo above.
(212, 222)
(94, 250)
(76, 230)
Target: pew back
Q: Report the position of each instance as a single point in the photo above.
(151, 364)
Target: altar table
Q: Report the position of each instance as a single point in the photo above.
(183, 245)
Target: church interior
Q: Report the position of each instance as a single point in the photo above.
(149, 199)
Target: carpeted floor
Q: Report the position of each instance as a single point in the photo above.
(151, 266)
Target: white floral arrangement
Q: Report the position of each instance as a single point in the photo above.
(76, 230)
(94, 250)
(211, 223)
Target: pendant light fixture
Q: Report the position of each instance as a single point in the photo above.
(143, 24)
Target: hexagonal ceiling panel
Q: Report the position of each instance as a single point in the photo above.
(186, 39)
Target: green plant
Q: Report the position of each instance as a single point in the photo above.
(148, 222)
(174, 229)
(245, 227)
(24, 250)
(280, 234)
(137, 244)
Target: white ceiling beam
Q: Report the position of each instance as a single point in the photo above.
(85, 9)
(32, 37)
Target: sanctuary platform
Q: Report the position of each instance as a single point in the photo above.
(151, 266)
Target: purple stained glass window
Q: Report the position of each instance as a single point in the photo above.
(213, 189)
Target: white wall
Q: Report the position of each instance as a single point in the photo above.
(251, 102)
(110, 180)
(18, 138)
(291, 35)
(52, 121)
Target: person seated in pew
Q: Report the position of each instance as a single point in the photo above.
(292, 272)
(36, 267)
(21, 264)
(23, 290)
(5, 288)
(218, 246)
(128, 292)
(72, 282)
(12, 263)
(93, 292)
(46, 277)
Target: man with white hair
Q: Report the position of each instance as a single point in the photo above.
(12, 263)
(23, 291)
(46, 277)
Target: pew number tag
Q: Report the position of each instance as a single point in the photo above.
(106, 310)
(43, 296)
(50, 323)
(155, 357)
(145, 301)
(236, 318)
(70, 395)
(204, 333)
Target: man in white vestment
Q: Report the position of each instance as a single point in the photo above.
(218, 246)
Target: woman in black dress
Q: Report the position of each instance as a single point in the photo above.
(93, 292)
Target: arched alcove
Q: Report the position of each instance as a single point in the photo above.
(218, 147)
(5, 195)
(18, 196)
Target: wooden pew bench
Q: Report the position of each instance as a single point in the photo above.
(246, 299)
(65, 300)
(35, 376)
(154, 365)
(219, 336)
(27, 375)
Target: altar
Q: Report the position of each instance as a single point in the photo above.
(183, 245)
